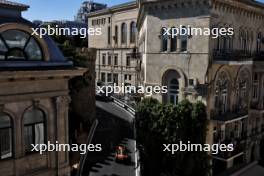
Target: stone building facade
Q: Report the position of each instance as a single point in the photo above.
(34, 97)
(115, 59)
(86, 8)
(226, 73)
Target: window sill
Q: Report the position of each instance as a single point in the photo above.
(174, 52)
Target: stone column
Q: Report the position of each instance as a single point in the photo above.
(62, 133)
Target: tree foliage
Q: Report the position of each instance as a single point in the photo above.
(159, 124)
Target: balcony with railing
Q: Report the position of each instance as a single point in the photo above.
(237, 55)
(259, 56)
(238, 150)
(257, 105)
(234, 132)
(257, 131)
(236, 113)
(243, 135)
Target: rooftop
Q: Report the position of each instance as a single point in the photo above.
(118, 7)
(13, 5)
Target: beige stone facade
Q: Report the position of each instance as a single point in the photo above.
(22, 91)
(115, 61)
(226, 73)
(34, 98)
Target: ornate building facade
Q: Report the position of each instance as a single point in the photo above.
(86, 8)
(115, 60)
(226, 73)
(34, 97)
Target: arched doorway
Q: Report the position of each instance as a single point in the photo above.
(173, 91)
(171, 79)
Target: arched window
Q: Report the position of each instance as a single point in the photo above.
(6, 137)
(221, 93)
(242, 94)
(18, 45)
(123, 33)
(164, 40)
(243, 40)
(34, 128)
(173, 42)
(133, 31)
(184, 39)
(116, 35)
(173, 92)
(259, 38)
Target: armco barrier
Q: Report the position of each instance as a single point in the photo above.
(124, 105)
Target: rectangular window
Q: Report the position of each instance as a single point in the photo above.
(28, 130)
(109, 60)
(33, 134)
(255, 91)
(184, 45)
(115, 77)
(103, 79)
(255, 86)
(116, 35)
(109, 77)
(108, 35)
(128, 77)
(173, 44)
(184, 42)
(103, 59)
(6, 143)
(128, 61)
(109, 20)
(116, 60)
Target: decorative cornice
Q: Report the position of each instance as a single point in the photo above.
(43, 74)
(237, 7)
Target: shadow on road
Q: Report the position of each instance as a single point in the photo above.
(111, 132)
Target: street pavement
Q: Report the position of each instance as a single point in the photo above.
(115, 128)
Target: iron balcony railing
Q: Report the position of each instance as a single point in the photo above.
(257, 105)
(237, 55)
(259, 56)
(218, 115)
(243, 136)
(238, 149)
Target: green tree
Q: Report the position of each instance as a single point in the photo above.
(159, 124)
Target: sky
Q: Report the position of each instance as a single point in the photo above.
(47, 10)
